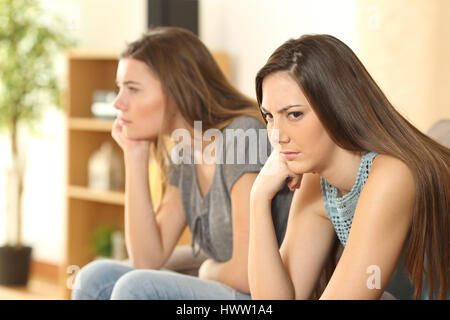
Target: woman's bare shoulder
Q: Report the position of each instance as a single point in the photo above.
(386, 166)
(390, 184)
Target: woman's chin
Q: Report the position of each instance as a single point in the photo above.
(130, 134)
(295, 167)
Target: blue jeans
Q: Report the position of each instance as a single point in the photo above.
(108, 279)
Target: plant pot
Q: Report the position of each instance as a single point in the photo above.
(14, 265)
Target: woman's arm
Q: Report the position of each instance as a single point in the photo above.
(381, 224)
(267, 275)
(292, 272)
(150, 237)
(234, 272)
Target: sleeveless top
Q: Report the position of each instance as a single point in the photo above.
(340, 211)
(245, 149)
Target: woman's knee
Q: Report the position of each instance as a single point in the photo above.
(140, 285)
(93, 279)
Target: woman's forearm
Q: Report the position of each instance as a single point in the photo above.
(141, 229)
(268, 278)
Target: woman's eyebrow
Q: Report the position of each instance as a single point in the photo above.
(129, 82)
(283, 109)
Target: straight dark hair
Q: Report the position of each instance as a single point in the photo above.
(358, 117)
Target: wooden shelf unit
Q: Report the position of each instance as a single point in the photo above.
(87, 124)
(84, 193)
(88, 209)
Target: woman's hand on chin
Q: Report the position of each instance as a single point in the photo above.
(272, 176)
(129, 146)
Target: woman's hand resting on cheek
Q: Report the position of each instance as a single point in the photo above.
(129, 146)
(272, 176)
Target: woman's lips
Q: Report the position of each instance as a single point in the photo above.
(290, 155)
(123, 121)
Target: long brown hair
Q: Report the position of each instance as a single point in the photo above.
(359, 117)
(192, 80)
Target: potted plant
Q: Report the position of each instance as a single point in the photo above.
(29, 43)
(108, 242)
(102, 245)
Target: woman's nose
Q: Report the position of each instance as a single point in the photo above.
(282, 138)
(119, 102)
(278, 135)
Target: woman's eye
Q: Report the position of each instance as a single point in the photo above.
(132, 89)
(267, 116)
(295, 114)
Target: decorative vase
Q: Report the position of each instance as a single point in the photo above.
(105, 169)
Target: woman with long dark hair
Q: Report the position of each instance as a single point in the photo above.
(167, 80)
(362, 174)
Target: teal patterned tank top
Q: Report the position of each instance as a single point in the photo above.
(340, 210)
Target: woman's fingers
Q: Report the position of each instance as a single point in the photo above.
(294, 179)
(294, 182)
(291, 183)
(116, 132)
(274, 174)
(116, 128)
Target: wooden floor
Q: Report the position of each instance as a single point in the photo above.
(36, 289)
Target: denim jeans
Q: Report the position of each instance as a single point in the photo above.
(108, 279)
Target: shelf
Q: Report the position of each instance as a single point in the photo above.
(84, 193)
(90, 124)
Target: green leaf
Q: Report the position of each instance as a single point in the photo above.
(28, 49)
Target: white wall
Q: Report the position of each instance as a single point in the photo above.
(109, 24)
(250, 30)
(415, 71)
(104, 25)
